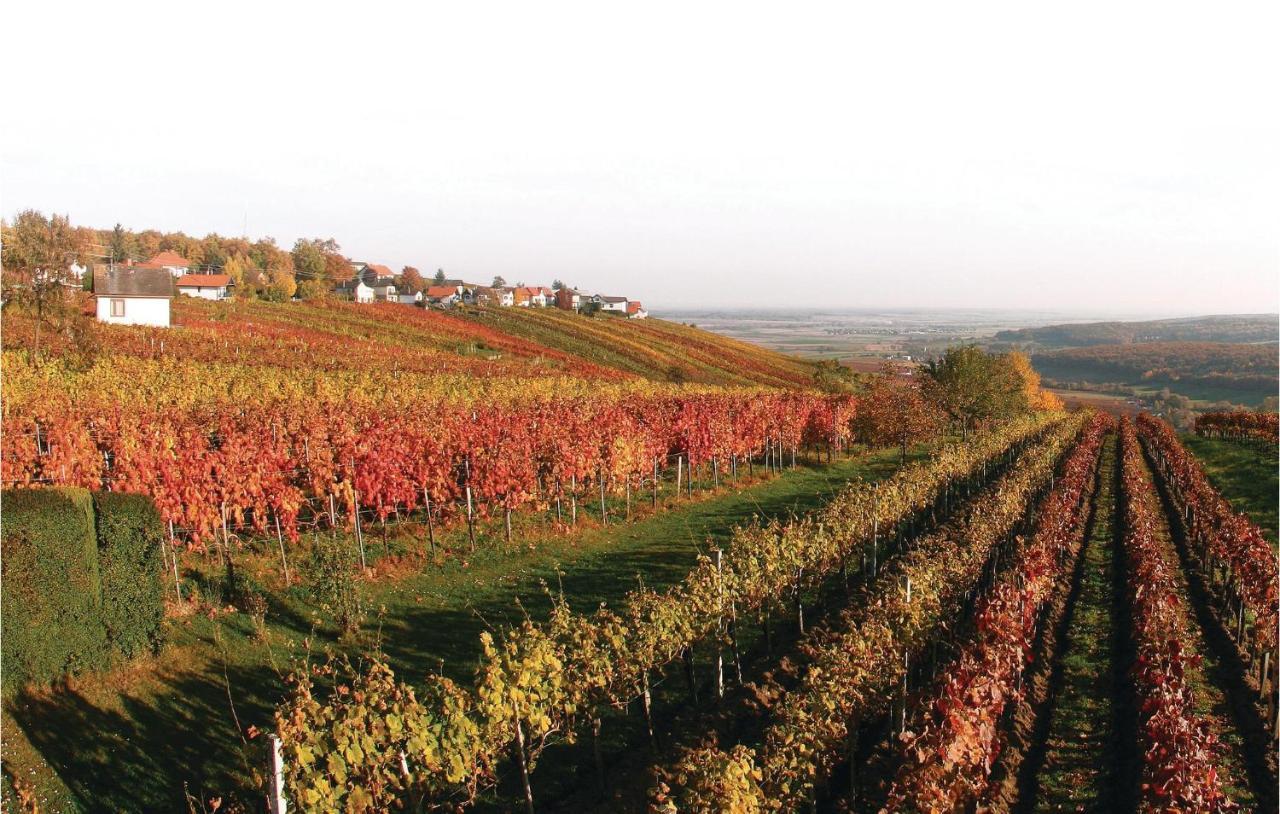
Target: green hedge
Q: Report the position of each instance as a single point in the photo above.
(129, 558)
(52, 598)
(82, 581)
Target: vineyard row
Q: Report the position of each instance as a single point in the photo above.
(1179, 750)
(864, 664)
(949, 750)
(542, 679)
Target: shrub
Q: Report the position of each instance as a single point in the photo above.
(130, 562)
(52, 598)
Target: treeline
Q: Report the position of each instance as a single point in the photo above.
(1236, 328)
(1207, 364)
(259, 268)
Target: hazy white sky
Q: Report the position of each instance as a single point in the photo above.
(1076, 155)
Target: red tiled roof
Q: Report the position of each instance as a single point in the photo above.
(169, 259)
(633, 307)
(441, 291)
(205, 280)
(381, 271)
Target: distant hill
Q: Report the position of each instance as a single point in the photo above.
(483, 342)
(1230, 328)
(1202, 370)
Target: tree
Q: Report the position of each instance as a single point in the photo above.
(831, 376)
(309, 262)
(312, 290)
(411, 280)
(238, 269)
(123, 245)
(36, 254)
(1037, 397)
(974, 386)
(281, 283)
(894, 410)
(499, 282)
(338, 268)
(439, 278)
(557, 285)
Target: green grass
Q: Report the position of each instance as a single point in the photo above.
(130, 740)
(1076, 771)
(1245, 474)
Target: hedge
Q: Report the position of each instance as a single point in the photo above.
(81, 581)
(52, 598)
(129, 559)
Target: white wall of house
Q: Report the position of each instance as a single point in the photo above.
(205, 292)
(177, 271)
(613, 306)
(134, 310)
(412, 298)
(362, 293)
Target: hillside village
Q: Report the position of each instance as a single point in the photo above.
(139, 293)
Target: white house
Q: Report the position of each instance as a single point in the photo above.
(205, 286)
(443, 294)
(531, 296)
(410, 297)
(618, 304)
(133, 296)
(174, 263)
(505, 296)
(635, 310)
(384, 289)
(354, 290)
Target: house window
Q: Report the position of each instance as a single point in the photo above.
(117, 308)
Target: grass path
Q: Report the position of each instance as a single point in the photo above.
(1072, 770)
(128, 741)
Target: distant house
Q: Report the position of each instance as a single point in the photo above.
(532, 296)
(205, 286)
(410, 298)
(354, 290)
(174, 263)
(635, 310)
(445, 295)
(384, 288)
(567, 299)
(132, 296)
(616, 304)
(481, 295)
(505, 296)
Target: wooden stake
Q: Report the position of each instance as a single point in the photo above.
(173, 551)
(280, 539)
(431, 532)
(276, 802)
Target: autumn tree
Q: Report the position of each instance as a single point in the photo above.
(411, 280)
(281, 284)
(1037, 397)
(36, 254)
(895, 411)
(975, 386)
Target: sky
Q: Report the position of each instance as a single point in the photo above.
(1103, 157)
